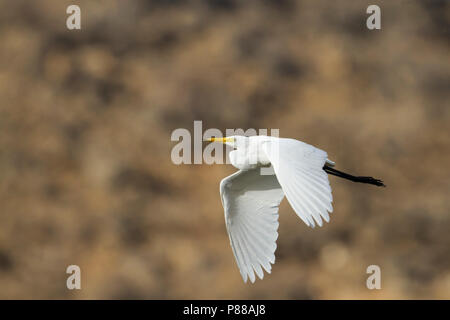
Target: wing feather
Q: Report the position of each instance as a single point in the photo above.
(251, 202)
(298, 167)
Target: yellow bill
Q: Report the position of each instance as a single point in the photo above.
(223, 140)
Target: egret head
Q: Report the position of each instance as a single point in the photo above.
(232, 141)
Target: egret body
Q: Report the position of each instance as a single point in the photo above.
(251, 199)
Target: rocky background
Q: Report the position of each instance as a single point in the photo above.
(86, 118)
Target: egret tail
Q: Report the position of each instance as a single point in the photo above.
(347, 176)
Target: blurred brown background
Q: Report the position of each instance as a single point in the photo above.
(85, 124)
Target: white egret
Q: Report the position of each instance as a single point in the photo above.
(251, 199)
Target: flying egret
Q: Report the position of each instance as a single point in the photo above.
(251, 199)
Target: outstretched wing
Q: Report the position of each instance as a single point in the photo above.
(298, 167)
(250, 201)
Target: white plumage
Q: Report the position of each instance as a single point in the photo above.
(251, 199)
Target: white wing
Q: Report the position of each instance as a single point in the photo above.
(251, 201)
(298, 167)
